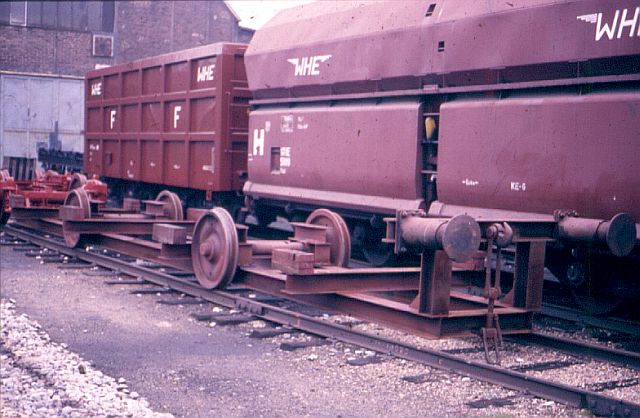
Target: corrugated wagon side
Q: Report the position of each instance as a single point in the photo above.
(178, 119)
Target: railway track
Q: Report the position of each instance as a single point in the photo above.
(587, 396)
(576, 316)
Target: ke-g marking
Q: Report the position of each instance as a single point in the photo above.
(517, 186)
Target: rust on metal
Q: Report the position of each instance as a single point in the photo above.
(292, 261)
(459, 236)
(619, 233)
(71, 213)
(169, 234)
(336, 280)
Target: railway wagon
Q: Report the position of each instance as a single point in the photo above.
(499, 110)
(177, 120)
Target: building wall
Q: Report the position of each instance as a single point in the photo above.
(147, 28)
(37, 50)
(140, 29)
(43, 43)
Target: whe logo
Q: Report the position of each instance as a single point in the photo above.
(624, 22)
(205, 73)
(307, 66)
(96, 89)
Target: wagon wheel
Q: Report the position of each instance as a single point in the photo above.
(4, 199)
(378, 254)
(337, 235)
(214, 249)
(4, 212)
(77, 181)
(172, 205)
(76, 198)
(594, 288)
(369, 241)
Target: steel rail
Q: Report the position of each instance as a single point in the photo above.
(617, 325)
(573, 347)
(597, 403)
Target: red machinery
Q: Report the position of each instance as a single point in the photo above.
(45, 194)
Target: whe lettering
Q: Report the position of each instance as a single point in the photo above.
(205, 73)
(624, 22)
(96, 89)
(308, 66)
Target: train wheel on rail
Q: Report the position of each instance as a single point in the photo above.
(4, 213)
(369, 241)
(77, 181)
(337, 235)
(76, 198)
(173, 206)
(597, 284)
(214, 249)
(4, 198)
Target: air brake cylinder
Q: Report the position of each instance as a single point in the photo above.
(459, 236)
(619, 234)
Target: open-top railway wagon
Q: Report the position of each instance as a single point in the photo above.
(175, 121)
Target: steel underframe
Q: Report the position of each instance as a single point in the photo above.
(170, 255)
(397, 314)
(366, 293)
(121, 226)
(572, 396)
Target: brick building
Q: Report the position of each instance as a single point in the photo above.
(47, 46)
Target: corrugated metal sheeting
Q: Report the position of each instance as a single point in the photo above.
(30, 106)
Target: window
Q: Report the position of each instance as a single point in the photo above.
(84, 16)
(5, 12)
(64, 15)
(49, 14)
(34, 13)
(430, 10)
(18, 13)
(103, 46)
(275, 160)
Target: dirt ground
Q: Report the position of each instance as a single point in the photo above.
(193, 369)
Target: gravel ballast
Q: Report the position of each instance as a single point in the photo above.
(42, 378)
(188, 368)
